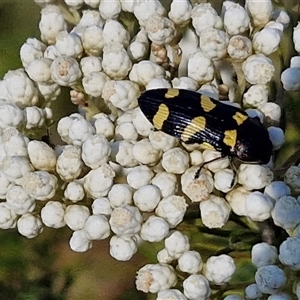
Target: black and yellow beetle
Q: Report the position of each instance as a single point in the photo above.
(195, 118)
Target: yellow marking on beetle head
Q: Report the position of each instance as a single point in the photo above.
(230, 138)
(197, 124)
(161, 115)
(239, 118)
(207, 146)
(206, 103)
(171, 93)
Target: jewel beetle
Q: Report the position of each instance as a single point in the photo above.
(195, 118)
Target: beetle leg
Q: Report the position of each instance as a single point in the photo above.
(207, 162)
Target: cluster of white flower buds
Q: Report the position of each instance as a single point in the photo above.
(140, 181)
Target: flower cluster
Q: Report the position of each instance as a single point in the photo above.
(140, 182)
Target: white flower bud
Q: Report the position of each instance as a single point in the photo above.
(215, 212)
(263, 254)
(204, 16)
(266, 41)
(51, 23)
(126, 220)
(4, 185)
(109, 9)
(186, 83)
(154, 229)
(32, 49)
(144, 153)
(69, 163)
(102, 206)
(164, 257)
(213, 42)
(296, 37)
(276, 190)
(180, 12)
(236, 19)
(10, 115)
(69, 44)
(292, 178)
(79, 242)
(65, 71)
(196, 287)
(172, 209)
(141, 123)
(289, 253)
(139, 46)
(42, 156)
(39, 70)
(236, 199)
(126, 131)
(166, 182)
(272, 112)
(94, 82)
(36, 117)
(290, 79)
(8, 217)
(277, 138)
(254, 177)
(175, 161)
(92, 40)
(96, 227)
(258, 69)
(13, 142)
(104, 125)
(154, 278)
(190, 262)
(19, 200)
(252, 291)
(162, 141)
(176, 244)
(122, 151)
(219, 269)
(256, 96)
(286, 212)
(90, 64)
(29, 225)
(122, 247)
(52, 214)
(139, 176)
(74, 192)
(119, 194)
(200, 68)
(170, 294)
(199, 189)
(223, 180)
(147, 197)
(239, 47)
(260, 11)
(114, 32)
(270, 279)
(217, 165)
(76, 216)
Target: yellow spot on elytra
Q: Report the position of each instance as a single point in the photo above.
(197, 124)
(230, 138)
(161, 115)
(207, 104)
(239, 118)
(171, 93)
(207, 146)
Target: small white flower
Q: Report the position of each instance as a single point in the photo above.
(37, 117)
(252, 291)
(164, 257)
(292, 178)
(286, 212)
(52, 214)
(42, 156)
(258, 69)
(256, 96)
(170, 294)
(94, 82)
(289, 253)
(98, 182)
(263, 254)
(119, 194)
(236, 199)
(196, 287)
(290, 79)
(90, 64)
(277, 189)
(139, 176)
(65, 71)
(296, 37)
(166, 182)
(154, 229)
(69, 44)
(144, 153)
(92, 40)
(104, 125)
(74, 191)
(126, 220)
(259, 11)
(116, 62)
(96, 227)
(145, 70)
(272, 112)
(239, 47)
(76, 216)
(277, 137)
(223, 180)
(155, 277)
(180, 12)
(29, 225)
(69, 163)
(186, 83)
(126, 131)
(266, 41)
(79, 242)
(13, 142)
(215, 212)
(190, 262)
(10, 115)
(110, 9)
(254, 176)
(122, 153)
(175, 160)
(219, 269)
(200, 67)
(147, 197)
(122, 247)
(8, 217)
(51, 23)
(270, 279)
(141, 123)
(31, 50)
(172, 209)
(114, 32)
(39, 70)
(139, 46)
(19, 200)
(205, 16)
(176, 244)
(102, 206)
(236, 19)
(199, 189)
